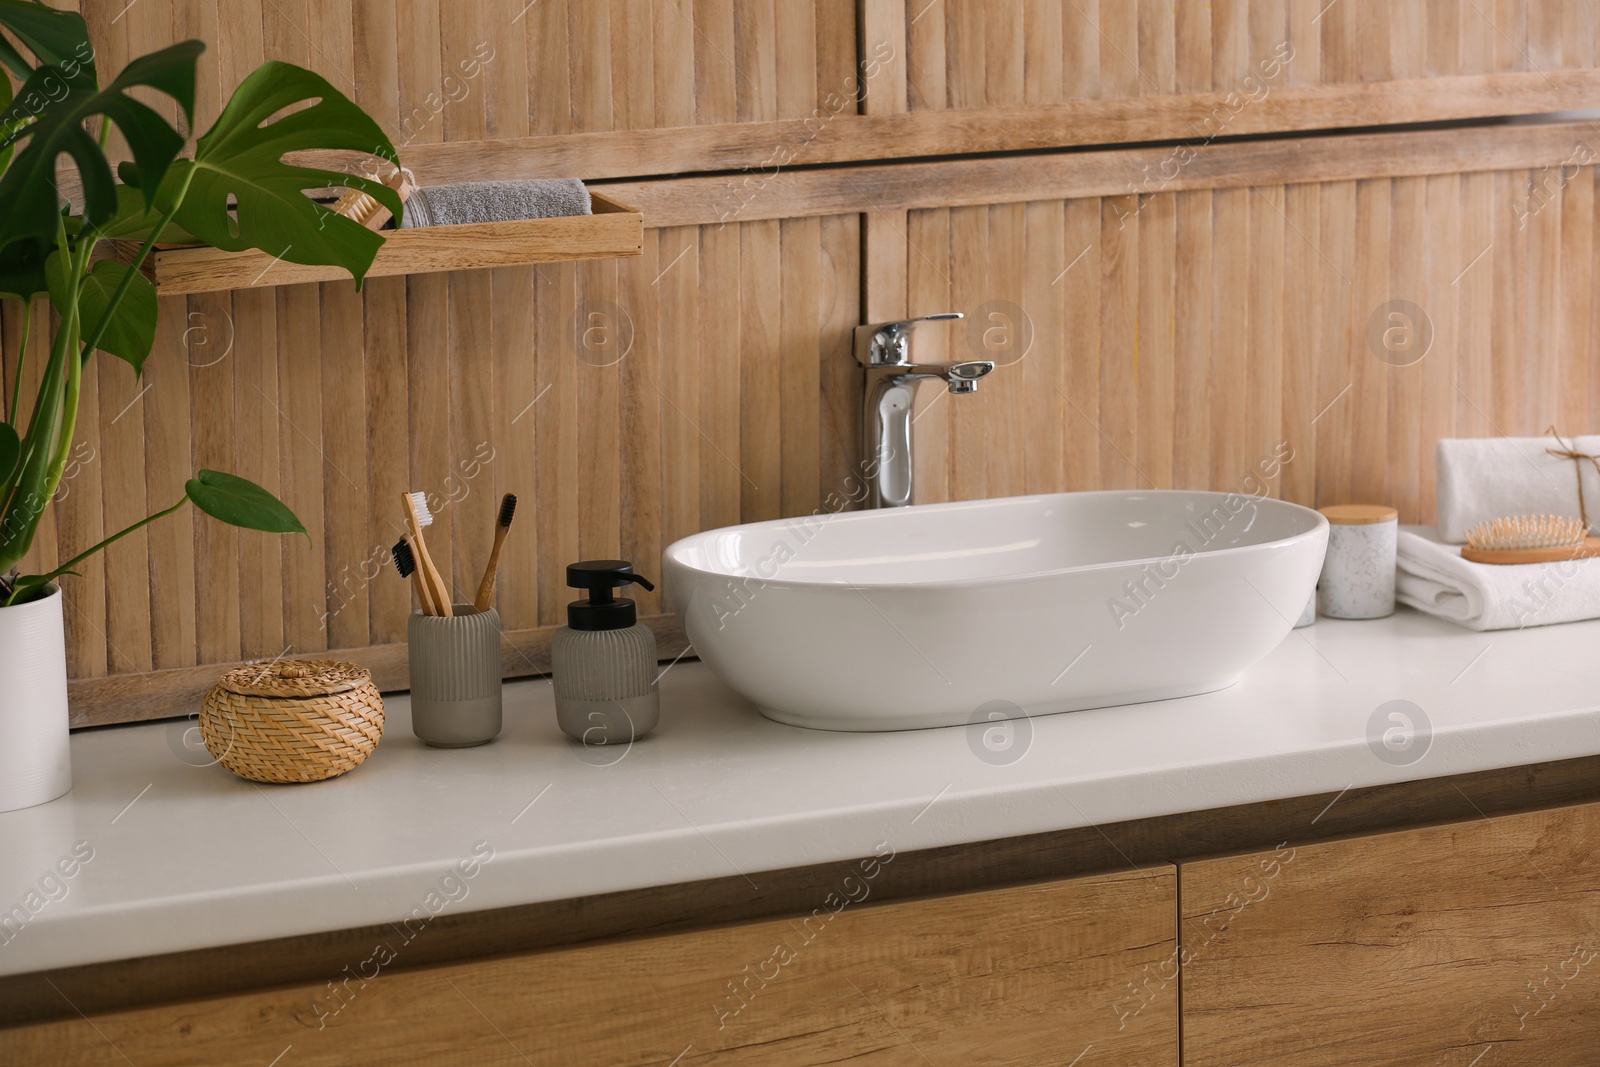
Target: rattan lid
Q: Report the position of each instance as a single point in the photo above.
(294, 678)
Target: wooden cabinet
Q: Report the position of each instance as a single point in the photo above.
(1429, 946)
(1461, 945)
(1039, 974)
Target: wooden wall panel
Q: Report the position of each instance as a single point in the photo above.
(614, 397)
(1198, 333)
(613, 88)
(1178, 329)
(469, 385)
(439, 72)
(978, 53)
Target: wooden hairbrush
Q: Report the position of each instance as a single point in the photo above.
(369, 210)
(1529, 539)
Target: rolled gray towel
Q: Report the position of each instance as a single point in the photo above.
(452, 205)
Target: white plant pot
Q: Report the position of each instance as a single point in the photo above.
(35, 763)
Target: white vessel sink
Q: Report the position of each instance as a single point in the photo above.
(941, 614)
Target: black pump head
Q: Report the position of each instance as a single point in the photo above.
(603, 611)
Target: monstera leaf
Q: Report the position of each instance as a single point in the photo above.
(132, 329)
(241, 159)
(10, 452)
(134, 220)
(28, 188)
(5, 105)
(56, 38)
(22, 267)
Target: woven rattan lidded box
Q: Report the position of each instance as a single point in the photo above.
(292, 721)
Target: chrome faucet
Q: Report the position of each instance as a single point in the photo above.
(884, 352)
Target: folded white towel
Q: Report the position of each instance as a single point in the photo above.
(1483, 478)
(1431, 576)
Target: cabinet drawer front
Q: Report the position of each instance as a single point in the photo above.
(1039, 974)
(1421, 947)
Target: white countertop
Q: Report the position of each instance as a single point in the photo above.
(189, 856)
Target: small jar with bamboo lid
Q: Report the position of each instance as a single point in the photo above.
(292, 721)
(1358, 572)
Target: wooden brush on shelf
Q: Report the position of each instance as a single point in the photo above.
(1529, 539)
(368, 210)
(437, 600)
(508, 508)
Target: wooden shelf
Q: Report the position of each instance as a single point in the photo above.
(614, 231)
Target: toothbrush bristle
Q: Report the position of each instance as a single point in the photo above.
(508, 508)
(420, 500)
(404, 561)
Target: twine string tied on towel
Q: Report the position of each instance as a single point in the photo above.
(1567, 451)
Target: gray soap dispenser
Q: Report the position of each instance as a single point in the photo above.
(603, 661)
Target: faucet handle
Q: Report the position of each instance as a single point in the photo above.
(885, 343)
(935, 317)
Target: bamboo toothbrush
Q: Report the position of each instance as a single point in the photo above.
(418, 516)
(405, 561)
(508, 508)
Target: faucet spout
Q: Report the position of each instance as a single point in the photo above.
(963, 377)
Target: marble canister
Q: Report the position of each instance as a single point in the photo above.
(1358, 572)
(1309, 615)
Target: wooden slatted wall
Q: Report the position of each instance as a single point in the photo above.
(1180, 328)
(975, 53)
(465, 70)
(1178, 339)
(607, 395)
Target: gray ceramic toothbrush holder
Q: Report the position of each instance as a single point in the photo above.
(455, 677)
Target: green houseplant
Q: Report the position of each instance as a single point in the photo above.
(235, 191)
